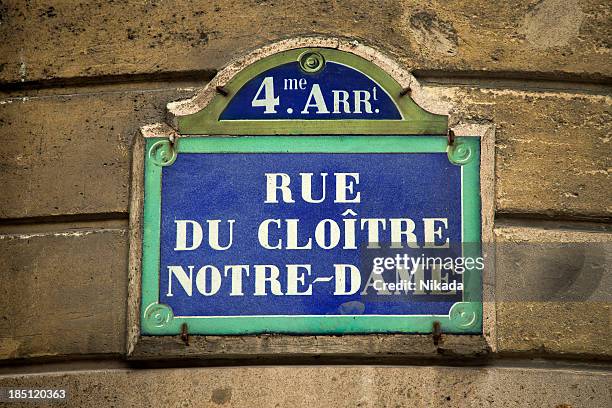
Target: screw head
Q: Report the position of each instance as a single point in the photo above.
(311, 61)
(162, 153)
(459, 153)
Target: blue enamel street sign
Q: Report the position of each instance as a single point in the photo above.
(287, 92)
(318, 234)
(293, 250)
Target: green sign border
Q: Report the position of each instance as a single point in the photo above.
(416, 120)
(464, 317)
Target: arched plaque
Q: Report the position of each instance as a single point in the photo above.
(343, 94)
(305, 194)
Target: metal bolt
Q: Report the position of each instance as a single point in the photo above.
(405, 91)
(311, 61)
(436, 332)
(185, 334)
(220, 89)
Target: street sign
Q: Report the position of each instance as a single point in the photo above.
(288, 91)
(338, 207)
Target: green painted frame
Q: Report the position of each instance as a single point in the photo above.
(416, 120)
(463, 318)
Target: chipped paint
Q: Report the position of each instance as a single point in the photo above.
(78, 233)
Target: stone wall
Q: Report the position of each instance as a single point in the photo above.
(78, 79)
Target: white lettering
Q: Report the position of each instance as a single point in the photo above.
(272, 186)
(236, 274)
(294, 277)
(181, 235)
(261, 278)
(319, 102)
(185, 281)
(208, 288)
(343, 185)
(431, 232)
(354, 281)
(341, 97)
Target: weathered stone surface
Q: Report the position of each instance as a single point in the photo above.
(66, 155)
(552, 148)
(63, 293)
(551, 151)
(384, 348)
(326, 386)
(97, 38)
(553, 291)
